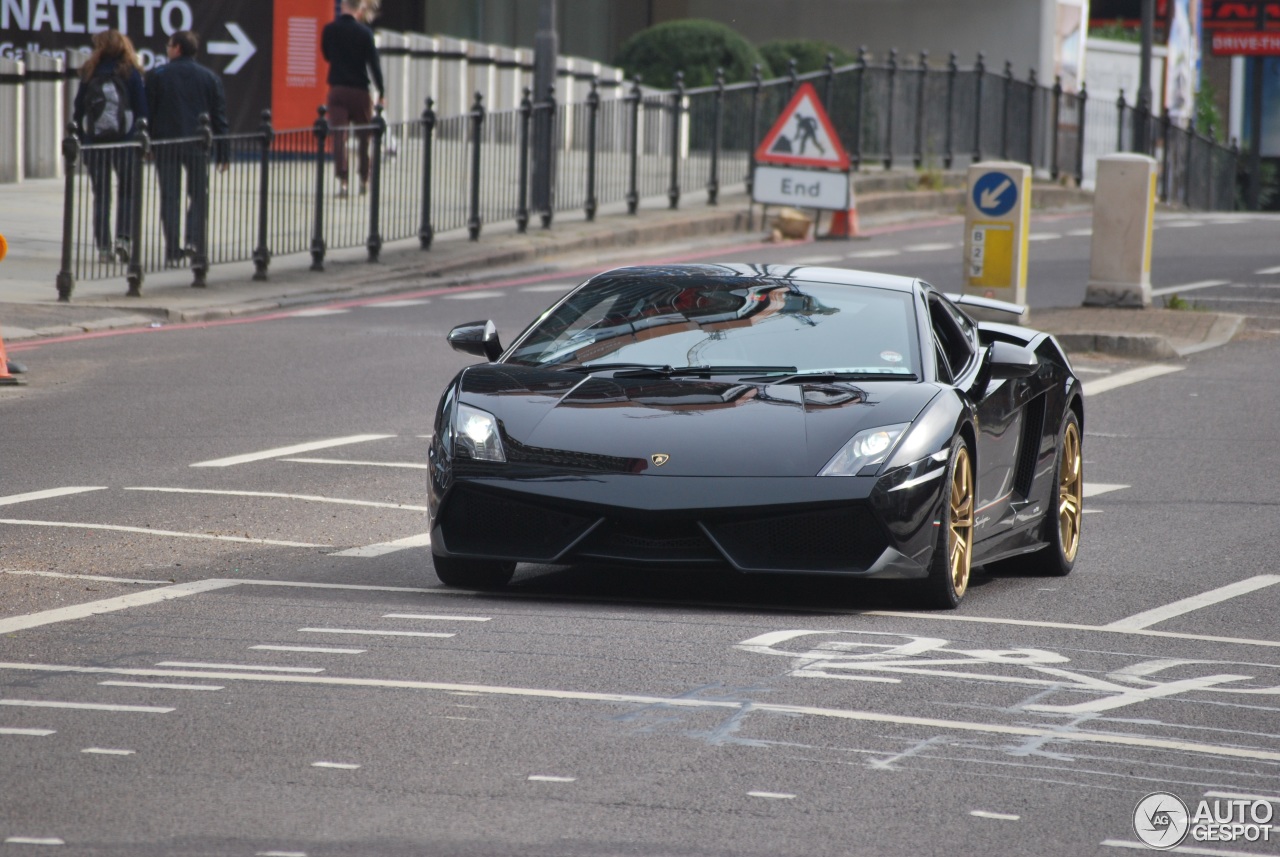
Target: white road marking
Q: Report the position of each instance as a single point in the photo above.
(1181, 849)
(400, 303)
(1133, 376)
(819, 260)
(1242, 796)
(418, 541)
(47, 493)
(1181, 224)
(312, 498)
(773, 795)
(873, 254)
(1093, 489)
(103, 751)
(1140, 694)
(319, 311)
(554, 287)
(282, 451)
(161, 686)
(1148, 618)
(1052, 734)
(342, 766)
(929, 248)
(473, 296)
(1080, 233)
(32, 840)
(443, 618)
(86, 706)
(208, 666)
(107, 605)
(281, 854)
(97, 577)
(1043, 236)
(999, 816)
(546, 778)
(320, 650)
(1266, 272)
(75, 525)
(374, 633)
(1188, 287)
(38, 733)
(412, 465)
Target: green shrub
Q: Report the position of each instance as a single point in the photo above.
(691, 45)
(809, 54)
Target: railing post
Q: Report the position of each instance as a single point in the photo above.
(677, 108)
(1004, 112)
(1191, 148)
(427, 232)
(893, 79)
(321, 132)
(1235, 170)
(1166, 125)
(1033, 87)
(952, 71)
(1082, 101)
(829, 86)
(924, 76)
(522, 194)
(548, 175)
(136, 158)
(65, 282)
(477, 124)
(262, 253)
(593, 116)
(857, 116)
(633, 145)
(793, 78)
(717, 130)
(979, 83)
(374, 242)
(1120, 122)
(1054, 144)
(200, 202)
(757, 89)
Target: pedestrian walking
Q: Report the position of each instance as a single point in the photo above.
(178, 93)
(348, 46)
(110, 102)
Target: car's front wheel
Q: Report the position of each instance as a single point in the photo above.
(948, 578)
(473, 573)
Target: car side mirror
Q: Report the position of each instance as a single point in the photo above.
(1007, 361)
(476, 337)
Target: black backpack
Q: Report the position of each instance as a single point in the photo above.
(107, 117)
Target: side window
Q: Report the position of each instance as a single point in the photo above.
(954, 335)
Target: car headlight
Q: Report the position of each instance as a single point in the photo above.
(867, 448)
(477, 434)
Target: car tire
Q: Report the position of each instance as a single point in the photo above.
(952, 564)
(473, 573)
(1061, 531)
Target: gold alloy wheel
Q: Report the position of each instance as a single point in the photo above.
(1070, 493)
(960, 536)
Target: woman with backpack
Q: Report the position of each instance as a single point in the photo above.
(109, 104)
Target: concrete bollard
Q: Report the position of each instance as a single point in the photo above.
(1124, 206)
(11, 121)
(42, 109)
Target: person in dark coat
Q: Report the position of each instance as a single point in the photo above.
(113, 57)
(349, 48)
(178, 93)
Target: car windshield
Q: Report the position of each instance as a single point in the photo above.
(742, 324)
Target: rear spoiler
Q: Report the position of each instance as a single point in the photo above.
(987, 303)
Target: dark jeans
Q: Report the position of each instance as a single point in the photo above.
(171, 161)
(100, 164)
(349, 105)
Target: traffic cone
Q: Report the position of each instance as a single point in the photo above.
(7, 369)
(844, 224)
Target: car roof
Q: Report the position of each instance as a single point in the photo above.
(779, 272)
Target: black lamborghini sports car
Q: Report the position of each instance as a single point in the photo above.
(764, 418)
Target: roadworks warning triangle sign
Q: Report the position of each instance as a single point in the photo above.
(803, 136)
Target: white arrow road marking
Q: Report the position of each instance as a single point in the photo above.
(242, 48)
(1148, 618)
(991, 198)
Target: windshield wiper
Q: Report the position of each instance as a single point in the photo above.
(703, 371)
(608, 367)
(845, 376)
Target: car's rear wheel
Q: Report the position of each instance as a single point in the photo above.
(1061, 531)
(473, 573)
(949, 572)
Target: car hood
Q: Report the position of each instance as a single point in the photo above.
(696, 427)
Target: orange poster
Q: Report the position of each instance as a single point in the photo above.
(298, 72)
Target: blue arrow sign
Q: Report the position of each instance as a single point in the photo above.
(995, 194)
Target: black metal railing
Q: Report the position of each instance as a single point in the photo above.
(206, 200)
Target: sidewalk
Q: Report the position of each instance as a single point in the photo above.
(31, 215)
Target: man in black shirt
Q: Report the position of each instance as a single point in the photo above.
(178, 92)
(348, 46)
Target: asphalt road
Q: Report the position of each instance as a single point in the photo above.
(252, 655)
